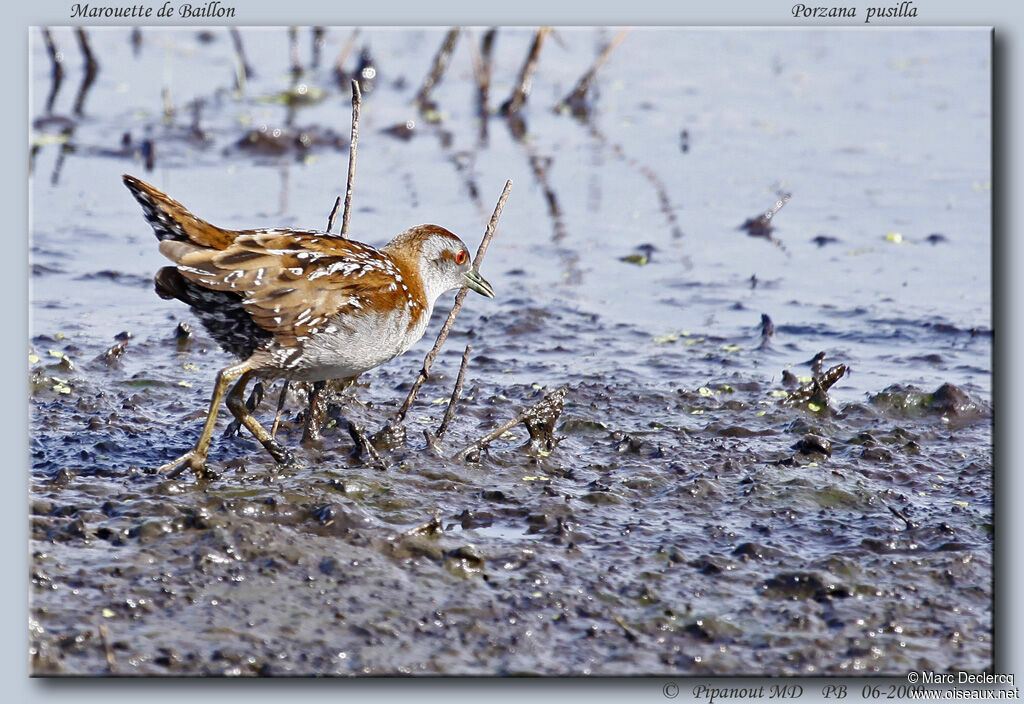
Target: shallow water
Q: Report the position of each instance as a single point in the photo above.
(676, 528)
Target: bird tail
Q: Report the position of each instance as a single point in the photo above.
(172, 221)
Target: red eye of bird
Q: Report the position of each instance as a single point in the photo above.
(461, 258)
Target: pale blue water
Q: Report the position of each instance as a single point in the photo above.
(874, 133)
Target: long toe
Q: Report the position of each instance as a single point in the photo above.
(200, 470)
(190, 461)
(176, 466)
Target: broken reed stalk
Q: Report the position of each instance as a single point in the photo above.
(345, 51)
(482, 68)
(353, 146)
(56, 70)
(816, 390)
(246, 69)
(334, 214)
(478, 68)
(293, 50)
(91, 65)
(449, 412)
(783, 199)
(557, 395)
(428, 361)
(316, 414)
(436, 72)
(55, 57)
(583, 85)
(517, 100)
(317, 45)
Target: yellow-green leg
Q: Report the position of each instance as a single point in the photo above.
(237, 406)
(195, 459)
(316, 414)
(280, 409)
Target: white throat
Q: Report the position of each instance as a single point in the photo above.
(435, 282)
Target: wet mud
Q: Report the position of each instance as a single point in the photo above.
(690, 486)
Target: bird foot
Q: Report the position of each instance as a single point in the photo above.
(190, 460)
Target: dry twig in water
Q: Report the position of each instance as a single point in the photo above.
(293, 50)
(517, 100)
(440, 63)
(92, 67)
(334, 214)
(482, 68)
(339, 69)
(449, 412)
(816, 390)
(540, 416)
(56, 58)
(56, 68)
(243, 71)
(575, 100)
(353, 147)
(357, 101)
(318, 43)
(761, 226)
(459, 298)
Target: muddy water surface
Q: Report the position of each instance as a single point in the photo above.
(688, 521)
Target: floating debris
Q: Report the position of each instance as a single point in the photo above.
(403, 130)
(761, 225)
(276, 141)
(539, 420)
(638, 259)
(113, 355)
(814, 393)
(767, 330)
(822, 240)
(813, 444)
